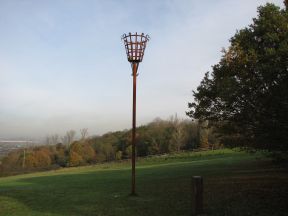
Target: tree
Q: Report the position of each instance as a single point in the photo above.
(177, 138)
(246, 95)
(84, 133)
(61, 155)
(191, 134)
(69, 137)
(52, 139)
(160, 133)
(203, 134)
(13, 160)
(118, 155)
(84, 150)
(42, 157)
(74, 159)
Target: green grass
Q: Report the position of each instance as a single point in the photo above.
(235, 183)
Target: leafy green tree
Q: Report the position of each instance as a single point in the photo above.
(129, 151)
(160, 135)
(246, 95)
(143, 141)
(191, 135)
(105, 146)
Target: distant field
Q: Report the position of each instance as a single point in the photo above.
(235, 183)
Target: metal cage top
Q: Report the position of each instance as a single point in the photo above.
(135, 45)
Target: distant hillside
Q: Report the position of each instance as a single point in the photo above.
(7, 146)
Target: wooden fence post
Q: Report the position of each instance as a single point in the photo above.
(197, 195)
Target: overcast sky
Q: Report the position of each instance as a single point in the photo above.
(63, 65)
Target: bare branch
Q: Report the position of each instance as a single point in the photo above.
(84, 133)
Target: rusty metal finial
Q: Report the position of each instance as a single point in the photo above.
(135, 45)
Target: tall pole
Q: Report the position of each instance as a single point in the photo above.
(135, 45)
(134, 68)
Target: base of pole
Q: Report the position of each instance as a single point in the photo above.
(133, 194)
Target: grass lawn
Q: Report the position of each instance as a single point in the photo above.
(235, 183)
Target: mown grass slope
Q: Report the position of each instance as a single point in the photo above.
(236, 183)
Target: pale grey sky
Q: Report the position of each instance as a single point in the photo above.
(63, 65)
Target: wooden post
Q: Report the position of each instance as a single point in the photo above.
(197, 195)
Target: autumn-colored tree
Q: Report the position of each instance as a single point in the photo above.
(13, 160)
(74, 159)
(30, 161)
(84, 150)
(42, 157)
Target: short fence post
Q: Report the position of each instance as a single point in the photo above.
(197, 195)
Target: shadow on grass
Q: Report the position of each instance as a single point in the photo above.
(94, 193)
(233, 186)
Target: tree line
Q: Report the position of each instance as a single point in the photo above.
(158, 137)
